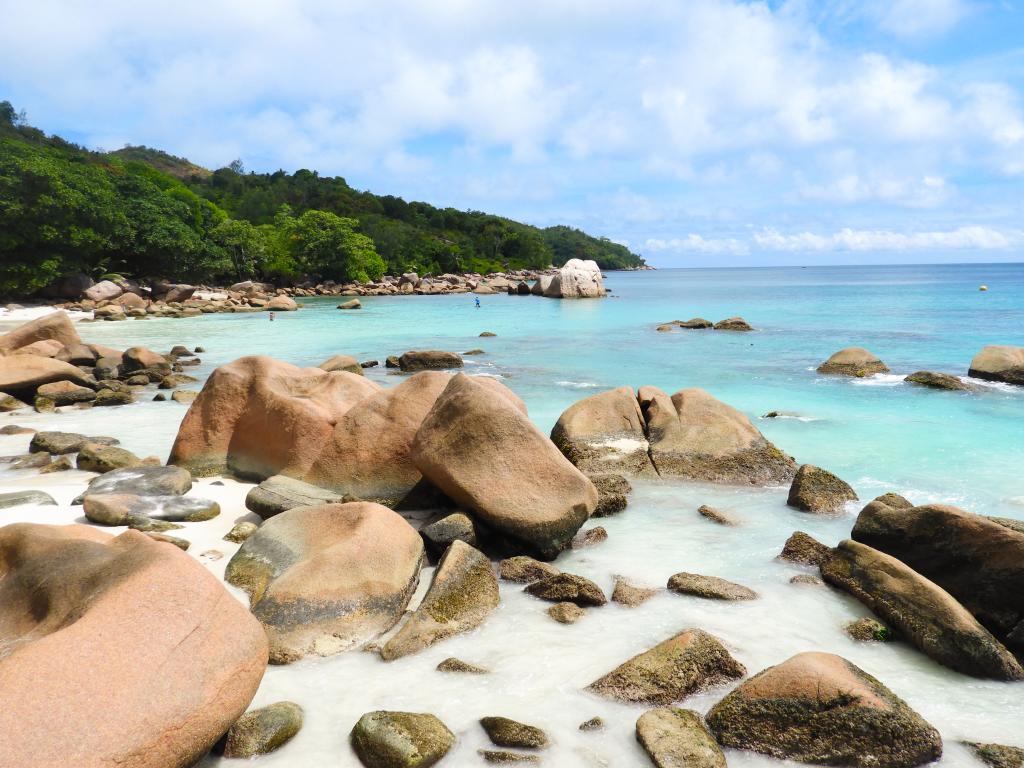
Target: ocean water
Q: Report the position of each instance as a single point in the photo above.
(879, 434)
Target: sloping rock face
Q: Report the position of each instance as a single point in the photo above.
(56, 326)
(22, 375)
(368, 453)
(853, 361)
(819, 708)
(690, 662)
(925, 614)
(693, 435)
(577, 279)
(483, 452)
(259, 417)
(325, 579)
(462, 595)
(977, 560)
(342, 363)
(999, 363)
(605, 433)
(133, 624)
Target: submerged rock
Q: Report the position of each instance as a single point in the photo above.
(21, 498)
(567, 587)
(462, 595)
(694, 435)
(280, 493)
(868, 630)
(999, 363)
(819, 708)
(400, 740)
(997, 755)
(804, 549)
(263, 730)
(920, 610)
(678, 738)
(428, 360)
(817, 490)
(479, 448)
(452, 664)
(566, 613)
(853, 361)
(709, 587)
(185, 654)
(605, 433)
(524, 569)
(687, 663)
(627, 594)
(504, 732)
(325, 579)
(716, 515)
(935, 380)
(733, 324)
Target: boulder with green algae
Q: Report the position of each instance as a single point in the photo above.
(631, 595)
(819, 708)
(997, 755)
(804, 549)
(817, 490)
(524, 569)
(605, 433)
(922, 612)
(687, 663)
(568, 587)
(678, 738)
(936, 380)
(94, 457)
(459, 666)
(400, 740)
(441, 534)
(64, 442)
(240, 532)
(505, 732)
(853, 361)
(566, 613)
(868, 630)
(709, 587)
(503, 756)
(462, 595)
(263, 730)
(612, 493)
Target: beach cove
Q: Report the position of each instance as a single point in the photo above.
(878, 433)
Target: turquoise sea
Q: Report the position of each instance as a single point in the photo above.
(879, 434)
(967, 448)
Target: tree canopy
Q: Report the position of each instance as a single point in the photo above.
(142, 213)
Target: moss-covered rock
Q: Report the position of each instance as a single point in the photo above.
(440, 534)
(936, 380)
(400, 740)
(630, 595)
(868, 630)
(94, 457)
(685, 664)
(505, 732)
(804, 549)
(716, 515)
(709, 587)
(566, 613)
(524, 569)
(612, 493)
(263, 730)
(819, 708)
(817, 490)
(462, 595)
(853, 361)
(997, 755)
(678, 738)
(458, 666)
(568, 587)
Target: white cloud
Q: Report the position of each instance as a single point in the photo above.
(962, 238)
(693, 243)
(919, 18)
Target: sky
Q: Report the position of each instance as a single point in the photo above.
(697, 132)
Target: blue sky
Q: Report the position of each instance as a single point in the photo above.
(699, 133)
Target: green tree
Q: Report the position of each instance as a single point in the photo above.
(329, 246)
(244, 244)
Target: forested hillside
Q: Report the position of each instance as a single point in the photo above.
(140, 212)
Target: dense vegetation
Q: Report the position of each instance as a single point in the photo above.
(142, 213)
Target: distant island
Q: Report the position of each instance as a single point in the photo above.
(142, 213)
